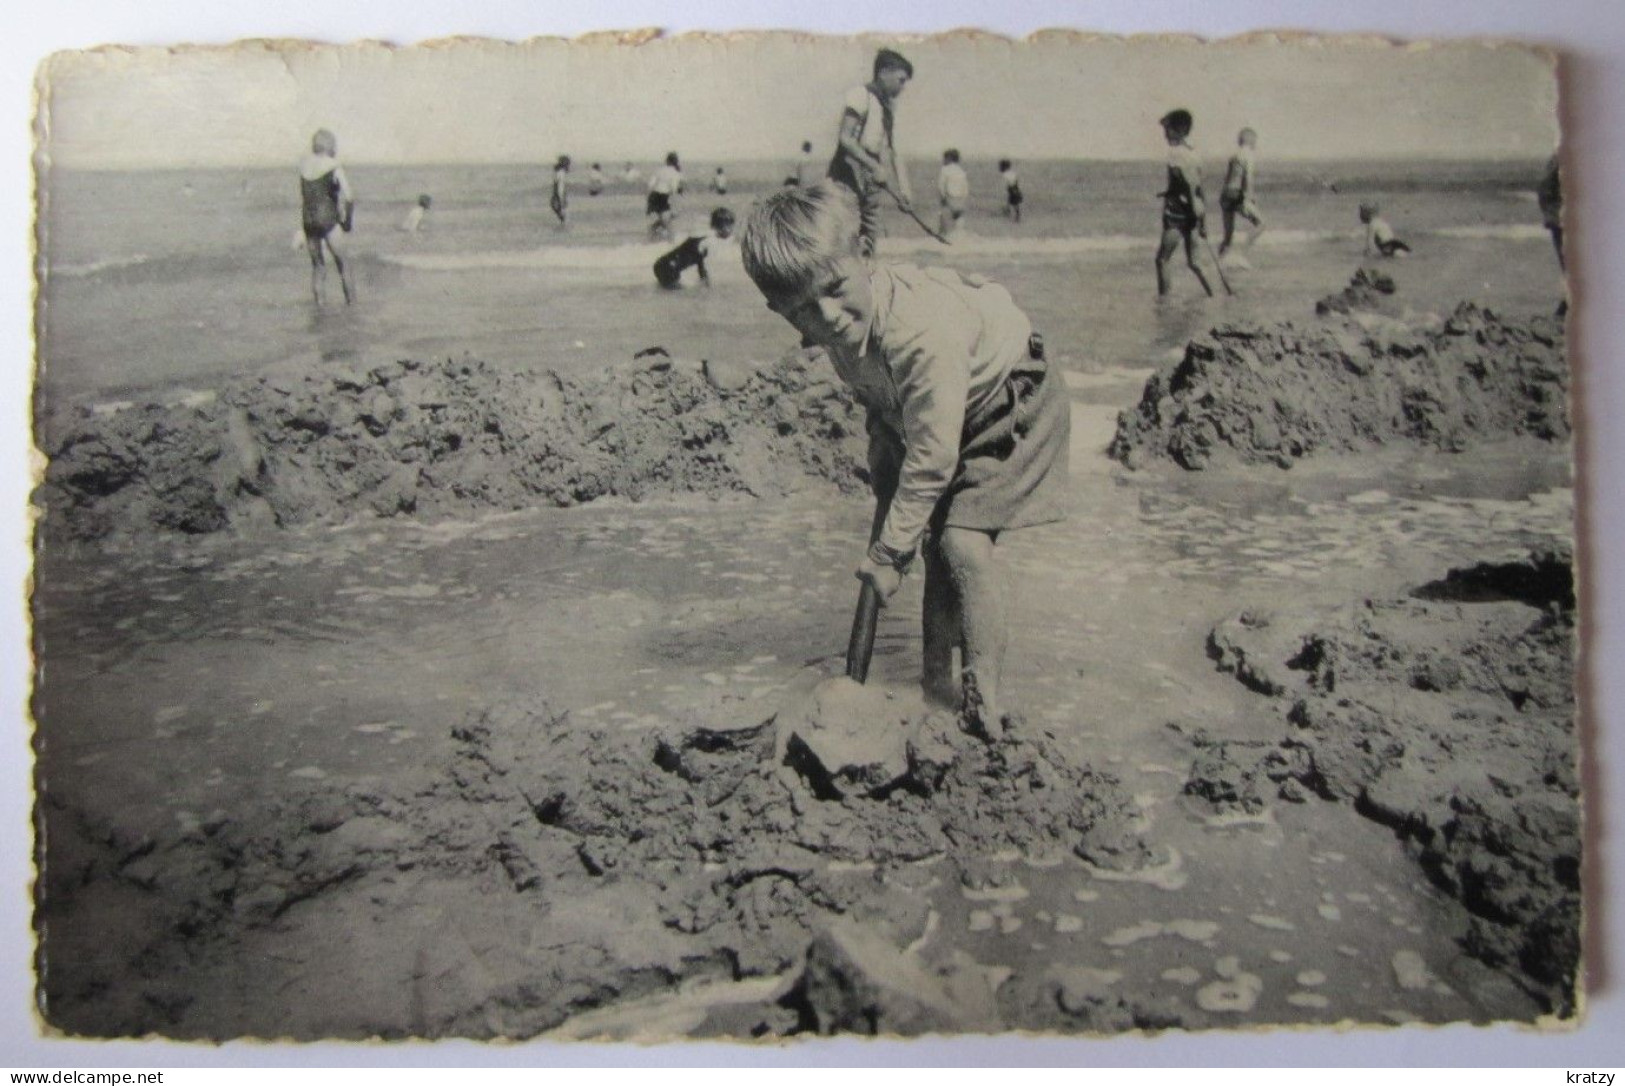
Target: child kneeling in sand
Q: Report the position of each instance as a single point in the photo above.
(968, 430)
(693, 252)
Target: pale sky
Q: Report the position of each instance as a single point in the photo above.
(1061, 96)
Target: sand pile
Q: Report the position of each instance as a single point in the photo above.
(319, 444)
(1276, 393)
(1448, 716)
(553, 869)
(1370, 291)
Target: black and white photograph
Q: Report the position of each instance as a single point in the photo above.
(763, 537)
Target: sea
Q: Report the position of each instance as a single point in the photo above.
(157, 284)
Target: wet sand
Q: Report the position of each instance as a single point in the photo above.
(233, 689)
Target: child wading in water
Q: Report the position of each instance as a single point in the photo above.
(953, 188)
(693, 252)
(1012, 190)
(328, 206)
(1236, 198)
(559, 201)
(865, 159)
(1184, 209)
(414, 218)
(1379, 236)
(968, 431)
(664, 183)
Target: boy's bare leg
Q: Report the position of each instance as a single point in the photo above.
(1191, 262)
(344, 270)
(1229, 216)
(979, 584)
(940, 623)
(318, 271)
(1165, 251)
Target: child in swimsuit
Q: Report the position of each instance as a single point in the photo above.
(968, 427)
(664, 183)
(328, 207)
(1236, 198)
(693, 252)
(1184, 209)
(559, 201)
(1012, 190)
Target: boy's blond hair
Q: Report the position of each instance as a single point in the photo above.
(794, 234)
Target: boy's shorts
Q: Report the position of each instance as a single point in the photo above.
(658, 203)
(864, 188)
(1012, 458)
(1237, 204)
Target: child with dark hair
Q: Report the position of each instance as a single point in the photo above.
(953, 188)
(559, 200)
(1013, 197)
(664, 183)
(694, 252)
(866, 159)
(1184, 209)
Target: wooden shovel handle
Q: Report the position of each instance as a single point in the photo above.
(861, 645)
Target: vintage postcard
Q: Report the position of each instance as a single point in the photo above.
(771, 536)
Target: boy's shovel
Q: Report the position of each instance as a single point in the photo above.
(910, 212)
(1218, 267)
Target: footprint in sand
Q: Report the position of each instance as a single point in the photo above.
(1309, 1000)
(1410, 971)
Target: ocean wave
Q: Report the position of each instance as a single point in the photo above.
(96, 267)
(1520, 231)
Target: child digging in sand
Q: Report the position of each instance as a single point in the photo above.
(1379, 236)
(328, 206)
(866, 160)
(968, 430)
(1184, 210)
(694, 252)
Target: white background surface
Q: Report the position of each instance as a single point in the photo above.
(1589, 35)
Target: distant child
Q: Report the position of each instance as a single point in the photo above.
(414, 218)
(694, 252)
(328, 207)
(719, 182)
(630, 175)
(1550, 197)
(1236, 198)
(1184, 209)
(1379, 236)
(866, 159)
(595, 180)
(559, 201)
(1012, 190)
(953, 187)
(664, 183)
(968, 429)
(806, 169)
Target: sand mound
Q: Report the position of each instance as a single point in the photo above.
(553, 869)
(1449, 717)
(1276, 393)
(1370, 291)
(448, 438)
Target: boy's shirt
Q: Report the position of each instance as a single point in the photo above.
(940, 348)
(1010, 178)
(875, 133)
(666, 179)
(1379, 233)
(953, 184)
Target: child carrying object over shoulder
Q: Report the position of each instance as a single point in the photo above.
(953, 188)
(968, 428)
(1379, 236)
(327, 207)
(694, 252)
